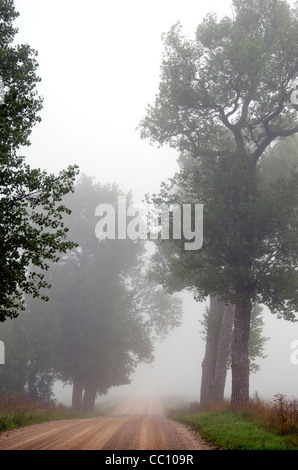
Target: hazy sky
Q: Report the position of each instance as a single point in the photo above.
(100, 64)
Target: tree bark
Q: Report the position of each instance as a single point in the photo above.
(77, 393)
(240, 357)
(89, 399)
(224, 341)
(209, 361)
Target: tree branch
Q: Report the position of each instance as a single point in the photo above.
(272, 136)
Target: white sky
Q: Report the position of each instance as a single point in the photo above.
(100, 63)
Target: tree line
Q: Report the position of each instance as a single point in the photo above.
(83, 311)
(102, 316)
(225, 104)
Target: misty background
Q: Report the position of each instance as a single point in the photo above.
(100, 67)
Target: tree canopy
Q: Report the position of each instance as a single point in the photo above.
(31, 229)
(103, 313)
(224, 99)
(228, 91)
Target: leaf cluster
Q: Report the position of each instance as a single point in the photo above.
(32, 231)
(224, 104)
(246, 245)
(228, 90)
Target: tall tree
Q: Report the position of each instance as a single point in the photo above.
(225, 98)
(218, 332)
(219, 325)
(275, 223)
(102, 317)
(31, 227)
(212, 329)
(109, 312)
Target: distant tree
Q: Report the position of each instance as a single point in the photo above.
(109, 313)
(31, 361)
(13, 373)
(225, 98)
(102, 317)
(31, 227)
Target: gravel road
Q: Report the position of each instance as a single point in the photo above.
(135, 425)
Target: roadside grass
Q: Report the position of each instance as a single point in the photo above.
(262, 426)
(18, 410)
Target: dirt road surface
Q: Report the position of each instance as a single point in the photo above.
(135, 425)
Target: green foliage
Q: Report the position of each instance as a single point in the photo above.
(31, 227)
(256, 340)
(102, 316)
(230, 431)
(224, 98)
(228, 90)
(18, 66)
(32, 232)
(249, 247)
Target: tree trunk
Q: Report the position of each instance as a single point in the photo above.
(89, 399)
(224, 341)
(77, 392)
(209, 361)
(240, 357)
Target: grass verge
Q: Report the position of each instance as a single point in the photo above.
(19, 410)
(263, 426)
(228, 431)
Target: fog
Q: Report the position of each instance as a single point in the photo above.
(100, 63)
(176, 370)
(100, 67)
